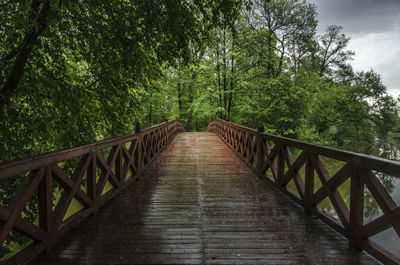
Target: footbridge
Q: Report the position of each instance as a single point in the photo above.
(231, 195)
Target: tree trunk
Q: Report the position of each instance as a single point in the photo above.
(270, 67)
(179, 98)
(191, 98)
(190, 113)
(225, 87)
(151, 111)
(281, 60)
(24, 51)
(231, 81)
(219, 83)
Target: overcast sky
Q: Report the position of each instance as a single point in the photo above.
(374, 28)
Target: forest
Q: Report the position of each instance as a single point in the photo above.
(75, 72)
(78, 72)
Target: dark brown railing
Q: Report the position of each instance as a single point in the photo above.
(90, 175)
(271, 157)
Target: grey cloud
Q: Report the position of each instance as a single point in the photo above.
(359, 16)
(374, 28)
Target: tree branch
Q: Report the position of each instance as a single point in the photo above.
(31, 36)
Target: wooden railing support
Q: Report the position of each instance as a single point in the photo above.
(97, 166)
(137, 127)
(356, 208)
(259, 149)
(91, 177)
(309, 184)
(361, 169)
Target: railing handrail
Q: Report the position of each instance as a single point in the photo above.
(384, 165)
(255, 148)
(119, 166)
(16, 167)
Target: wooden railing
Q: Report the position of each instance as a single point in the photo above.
(86, 176)
(271, 157)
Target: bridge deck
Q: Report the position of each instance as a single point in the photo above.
(199, 203)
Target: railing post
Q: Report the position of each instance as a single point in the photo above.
(281, 166)
(46, 201)
(138, 153)
(309, 183)
(356, 206)
(92, 178)
(137, 127)
(118, 165)
(260, 149)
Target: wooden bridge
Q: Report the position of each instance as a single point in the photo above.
(228, 196)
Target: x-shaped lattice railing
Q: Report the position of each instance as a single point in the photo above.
(270, 156)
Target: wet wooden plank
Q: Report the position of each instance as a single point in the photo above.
(200, 204)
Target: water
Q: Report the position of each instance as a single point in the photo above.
(390, 149)
(389, 239)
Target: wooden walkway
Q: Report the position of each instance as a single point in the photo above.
(198, 203)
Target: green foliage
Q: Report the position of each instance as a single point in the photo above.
(76, 72)
(91, 74)
(83, 71)
(277, 70)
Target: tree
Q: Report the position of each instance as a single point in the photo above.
(134, 32)
(288, 28)
(35, 24)
(103, 55)
(352, 115)
(332, 54)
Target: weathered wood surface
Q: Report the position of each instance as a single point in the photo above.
(271, 157)
(91, 175)
(198, 203)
